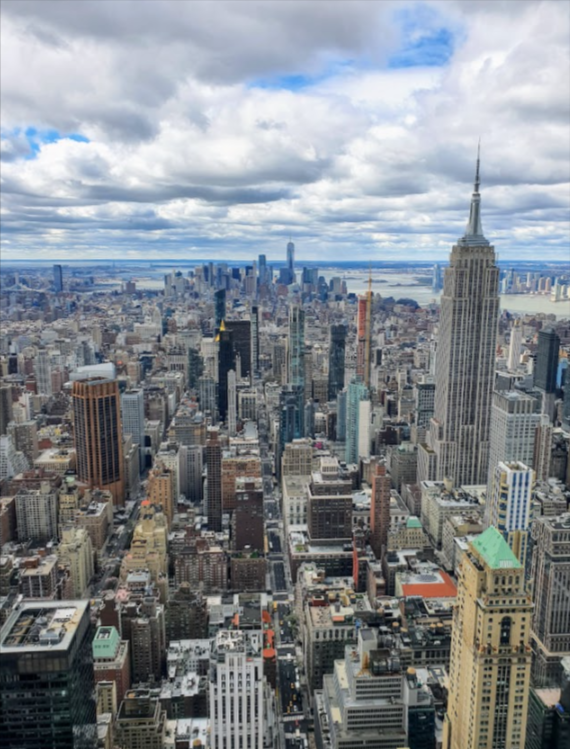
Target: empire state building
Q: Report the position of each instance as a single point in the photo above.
(458, 438)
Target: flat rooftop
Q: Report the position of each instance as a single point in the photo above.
(42, 625)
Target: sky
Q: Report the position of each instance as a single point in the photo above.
(172, 129)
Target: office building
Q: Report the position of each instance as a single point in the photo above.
(329, 496)
(214, 485)
(380, 511)
(191, 470)
(357, 422)
(132, 413)
(6, 411)
(46, 684)
(42, 370)
(219, 307)
(336, 360)
(489, 679)
(141, 721)
(111, 660)
(237, 709)
(514, 418)
(241, 338)
(465, 363)
(291, 416)
(226, 362)
(546, 368)
(57, 279)
(98, 435)
(509, 506)
(549, 715)
(290, 262)
(232, 403)
(372, 702)
(254, 317)
(515, 346)
(436, 279)
(551, 616)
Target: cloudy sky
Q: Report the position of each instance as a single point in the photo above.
(143, 129)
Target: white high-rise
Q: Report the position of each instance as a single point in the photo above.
(236, 690)
(232, 403)
(515, 346)
(42, 370)
(514, 419)
(465, 365)
(509, 507)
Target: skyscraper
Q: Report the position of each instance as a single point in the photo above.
(547, 360)
(236, 690)
(296, 361)
(47, 683)
(509, 505)
(219, 307)
(226, 361)
(551, 580)
(98, 435)
(241, 339)
(436, 281)
(336, 359)
(291, 261)
(490, 650)
(5, 407)
(515, 345)
(42, 371)
(214, 473)
(132, 412)
(363, 326)
(357, 421)
(465, 364)
(514, 419)
(254, 341)
(262, 269)
(232, 403)
(57, 278)
(380, 511)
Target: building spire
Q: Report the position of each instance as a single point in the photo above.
(474, 228)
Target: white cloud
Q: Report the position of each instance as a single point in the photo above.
(188, 149)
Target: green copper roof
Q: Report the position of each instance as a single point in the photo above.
(105, 642)
(495, 551)
(413, 522)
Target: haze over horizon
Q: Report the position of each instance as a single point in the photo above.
(193, 130)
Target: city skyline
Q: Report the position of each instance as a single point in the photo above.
(352, 133)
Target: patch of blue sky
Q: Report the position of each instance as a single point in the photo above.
(36, 138)
(300, 81)
(426, 40)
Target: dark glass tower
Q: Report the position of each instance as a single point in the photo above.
(547, 360)
(241, 335)
(214, 473)
(46, 677)
(195, 367)
(226, 361)
(57, 278)
(220, 307)
(336, 359)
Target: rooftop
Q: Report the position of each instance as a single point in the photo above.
(42, 625)
(105, 642)
(495, 551)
